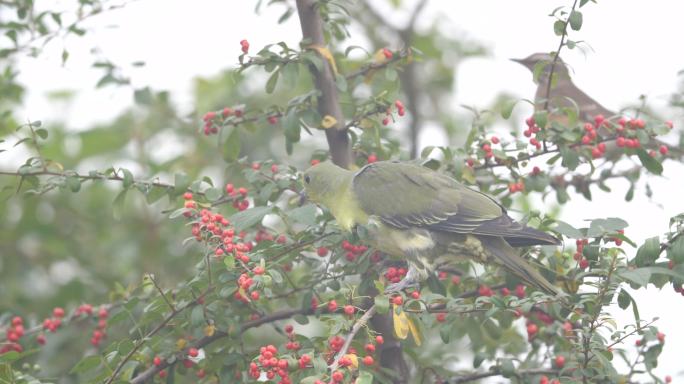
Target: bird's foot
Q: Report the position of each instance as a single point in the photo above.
(406, 282)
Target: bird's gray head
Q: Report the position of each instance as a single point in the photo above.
(531, 62)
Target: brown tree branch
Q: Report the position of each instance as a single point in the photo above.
(328, 103)
(360, 323)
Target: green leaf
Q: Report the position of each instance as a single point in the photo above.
(567, 230)
(247, 218)
(118, 204)
(507, 108)
(305, 214)
(74, 183)
(197, 316)
(650, 163)
(86, 364)
(558, 27)
(491, 328)
(435, 285)
(675, 251)
(648, 252)
(42, 133)
(624, 299)
(541, 118)
(6, 373)
(570, 158)
(640, 276)
(381, 304)
(292, 126)
(229, 261)
(576, 20)
(143, 96)
(599, 227)
(213, 194)
(365, 378)
(231, 147)
(127, 178)
(272, 81)
(181, 182)
(507, 368)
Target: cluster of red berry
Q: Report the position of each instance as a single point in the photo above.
(271, 365)
(579, 256)
(531, 132)
(214, 120)
(244, 46)
(401, 111)
(16, 331)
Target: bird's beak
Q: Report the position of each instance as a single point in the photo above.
(519, 61)
(302, 198)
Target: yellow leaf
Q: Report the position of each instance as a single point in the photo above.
(181, 343)
(401, 323)
(325, 52)
(366, 124)
(354, 360)
(415, 333)
(209, 330)
(328, 122)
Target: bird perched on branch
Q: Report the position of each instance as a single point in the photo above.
(426, 218)
(556, 92)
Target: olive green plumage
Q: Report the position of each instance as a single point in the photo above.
(425, 217)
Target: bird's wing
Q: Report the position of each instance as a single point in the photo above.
(409, 196)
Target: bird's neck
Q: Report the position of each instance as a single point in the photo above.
(344, 205)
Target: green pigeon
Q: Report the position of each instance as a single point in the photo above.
(425, 217)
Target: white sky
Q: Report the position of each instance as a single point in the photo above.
(633, 51)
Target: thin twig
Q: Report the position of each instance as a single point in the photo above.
(149, 373)
(360, 323)
(556, 55)
(151, 277)
(496, 371)
(153, 332)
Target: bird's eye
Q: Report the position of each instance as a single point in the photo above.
(307, 179)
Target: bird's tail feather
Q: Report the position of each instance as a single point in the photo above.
(529, 236)
(509, 258)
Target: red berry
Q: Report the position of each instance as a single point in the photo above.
(41, 339)
(254, 295)
(256, 166)
(162, 373)
(226, 112)
(599, 119)
(102, 313)
(332, 306)
(560, 361)
(157, 361)
(372, 158)
(16, 320)
(620, 141)
(486, 148)
(230, 188)
(273, 120)
(349, 309)
(661, 337)
(440, 317)
(244, 46)
(505, 291)
(601, 147)
(368, 360)
(638, 343)
(584, 263)
(242, 191)
(385, 121)
(187, 363)
(201, 373)
(668, 379)
(193, 352)
(495, 140)
(274, 168)
(596, 153)
(379, 339)
(322, 251)
(337, 376)
(209, 116)
(532, 329)
(387, 53)
(397, 300)
(544, 380)
(289, 328)
(455, 280)
(586, 139)
(370, 348)
(187, 196)
(415, 295)
(639, 123)
(663, 149)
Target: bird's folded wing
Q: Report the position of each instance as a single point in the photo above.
(408, 196)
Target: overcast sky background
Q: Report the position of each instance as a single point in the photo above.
(634, 51)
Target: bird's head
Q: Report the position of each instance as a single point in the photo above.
(530, 62)
(322, 182)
